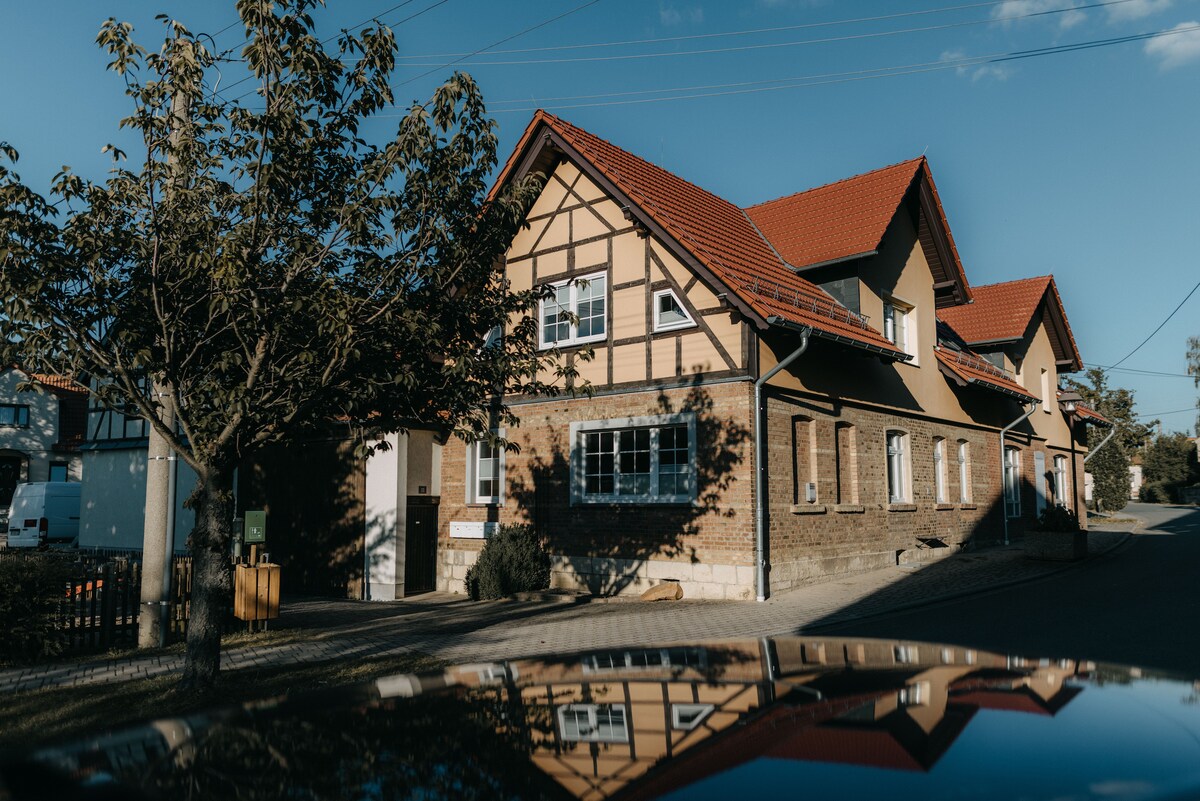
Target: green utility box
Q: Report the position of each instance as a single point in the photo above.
(256, 528)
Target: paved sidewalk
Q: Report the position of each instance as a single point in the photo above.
(452, 628)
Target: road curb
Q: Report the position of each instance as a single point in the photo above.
(982, 590)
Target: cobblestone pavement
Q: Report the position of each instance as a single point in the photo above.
(452, 628)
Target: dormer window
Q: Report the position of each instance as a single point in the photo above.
(586, 298)
(669, 313)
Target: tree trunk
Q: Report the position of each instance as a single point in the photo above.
(211, 579)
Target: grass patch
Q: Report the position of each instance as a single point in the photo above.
(43, 716)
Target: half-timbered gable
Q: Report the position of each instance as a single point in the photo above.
(646, 316)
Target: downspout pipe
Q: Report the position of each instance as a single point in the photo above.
(760, 455)
(1003, 433)
(1112, 432)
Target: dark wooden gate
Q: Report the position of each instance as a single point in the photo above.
(420, 545)
(313, 495)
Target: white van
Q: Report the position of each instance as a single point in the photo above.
(44, 512)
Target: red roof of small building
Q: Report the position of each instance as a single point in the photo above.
(718, 234)
(57, 382)
(1091, 415)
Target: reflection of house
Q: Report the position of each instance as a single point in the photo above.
(644, 723)
(882, 438)
(40, 430)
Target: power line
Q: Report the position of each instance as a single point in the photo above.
(1143, 372)
(500, 42)
(395, 24)
(720, 34)
(1192, 409)
(833, 78)
(1160, 325)
(767, 45)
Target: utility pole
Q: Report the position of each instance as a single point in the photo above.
(158, 533)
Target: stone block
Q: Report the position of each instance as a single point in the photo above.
(724, 574)
(702, 572)
(708, 590)
(659, 569)
(734, 592)
(745, 575)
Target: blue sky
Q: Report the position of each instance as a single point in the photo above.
(1083, 164)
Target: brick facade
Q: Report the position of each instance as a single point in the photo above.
(857, 528)
(613, 548)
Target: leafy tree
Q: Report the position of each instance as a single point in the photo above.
(1193, 360)
(262, 269)
(1169, 462)
(1110, 465)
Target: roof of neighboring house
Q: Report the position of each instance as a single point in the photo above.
(1002, 313)
(1090, 415)
(848, 218)
(58, 383)
(718, 235)
(964, 366)
(967, 368)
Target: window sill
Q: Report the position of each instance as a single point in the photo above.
(849, 508)
(808, 509)
(484, 504)
(902, 507)
(944, 507)
(967, 506)
(610, 502)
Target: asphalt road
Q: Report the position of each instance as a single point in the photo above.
(1139, 605)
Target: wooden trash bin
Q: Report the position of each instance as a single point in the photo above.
(256, 592)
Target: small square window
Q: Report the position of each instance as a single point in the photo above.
(485, 472)
(14, 416)
(669, 313)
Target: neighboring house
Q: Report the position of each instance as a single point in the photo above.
(40, 432)
(882, 437)
(338, 524)
(113, 497)
(1135, 477)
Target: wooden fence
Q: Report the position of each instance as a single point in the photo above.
(102, 599)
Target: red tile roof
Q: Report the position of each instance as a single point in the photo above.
(836, 221)
(1000, 312)
(971, 369)
(718, 234)
(57, 382)
(1090, 415)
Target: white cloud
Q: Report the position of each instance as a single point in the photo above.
(670, 16)
(1016, 8)
(1136, 9)
(1176, 49)
(976, 72)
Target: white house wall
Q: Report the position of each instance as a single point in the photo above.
(113, 500)
(35, 441)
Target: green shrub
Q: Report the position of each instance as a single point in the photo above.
(31, 590)
(1155, 492)
(512, 561)
(1058, 518)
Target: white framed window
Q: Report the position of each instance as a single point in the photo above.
(686, 717)
(593, 723)
(1012, 482)
(669, 313)
(585, 297)
(1061, 492)
(964, 471)
(485, 472)
(939, 470)
(634, 460)
(897, 467)
(899, 326)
